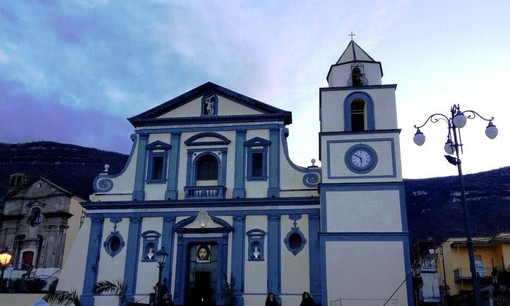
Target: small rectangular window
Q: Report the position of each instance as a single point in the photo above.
(157, 168)
(256, 164)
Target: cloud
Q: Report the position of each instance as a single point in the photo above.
(28, 119)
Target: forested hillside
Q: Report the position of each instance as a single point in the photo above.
(434, 206)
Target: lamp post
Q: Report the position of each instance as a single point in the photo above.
(456, 121)
(445, 285)
(5, 260)
(161, 257)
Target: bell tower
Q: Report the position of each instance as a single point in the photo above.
(364, 236)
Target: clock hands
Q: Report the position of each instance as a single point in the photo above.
(360, 158)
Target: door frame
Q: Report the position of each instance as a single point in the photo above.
(192, 236)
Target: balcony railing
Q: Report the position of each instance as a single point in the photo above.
(464, 273)
(205, 192)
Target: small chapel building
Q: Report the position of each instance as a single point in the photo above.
(209, 181)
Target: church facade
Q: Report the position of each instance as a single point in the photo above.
(209, 181)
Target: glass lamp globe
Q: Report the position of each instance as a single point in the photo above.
(491, 131)
(459, 120)
(449, 147)
(419, 138)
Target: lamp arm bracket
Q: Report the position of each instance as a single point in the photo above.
(471, 114)
(434, 118)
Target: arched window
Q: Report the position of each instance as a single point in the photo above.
(358, 115)
(357, 77)
(359, 112)
(207, 168)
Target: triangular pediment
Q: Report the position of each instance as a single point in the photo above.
(202, 222)
(257, 141)
(210, 103)
(37, 187)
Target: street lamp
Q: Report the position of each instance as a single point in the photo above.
(161, 257)
(5, 260)
(455, 122)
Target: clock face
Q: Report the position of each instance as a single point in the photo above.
(361, 158)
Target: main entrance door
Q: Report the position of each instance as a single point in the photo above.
(202, 274)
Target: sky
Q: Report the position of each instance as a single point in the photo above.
(74, 71)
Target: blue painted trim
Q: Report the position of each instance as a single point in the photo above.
(158, 145)
(250, 176)
(195, 154)
(92, 261)
(354, 168)
(237, 265)
(151, 148)
(195, 140)
(150, 168)
(295, 231)
(173, 171)
(360, 187)
(167, 241)
(312, 175)
(138, 191)
(274, 164)
(256, 237)
(350, 88)
(103, 182)
(315, 263)
(239, 184)
(181, 225)
(150, 240)
(107, 241)
(403, 207)
(212, 129)
(273, 254)
(330, 157)
(211, 205)
(369, 110)
(183, 248)
(257, 142)
(131, 263)
(409, 270)
(365, 236)
(261, 145)
(265, 112)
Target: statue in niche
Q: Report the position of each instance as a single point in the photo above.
(256, 253)
(150, 254)
(210, 105)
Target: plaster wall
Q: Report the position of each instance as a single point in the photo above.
(255, 281)
(72, 275)
(368, 211)
(332, 108)
(74, 224)
(353, 266)
(295, 269)
(387, 147)
(147, 274)
(112, 268)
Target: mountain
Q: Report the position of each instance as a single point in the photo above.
(434, 206)
(69, 166)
